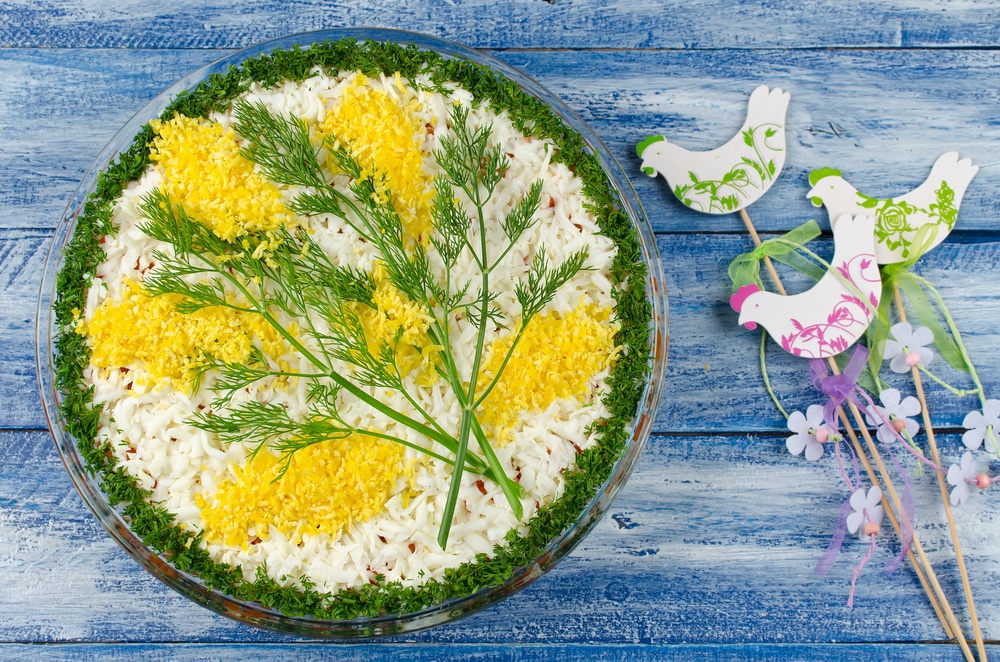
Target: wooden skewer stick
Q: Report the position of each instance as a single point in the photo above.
(891, 514)
(955, 629)
(949, 514)
(936, 595)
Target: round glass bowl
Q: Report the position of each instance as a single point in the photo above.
(194, 587)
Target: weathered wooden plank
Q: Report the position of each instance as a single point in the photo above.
(881, 117)
(510, 24)
(713, 541)
(49, 140)
(485, 652)
(713, 380)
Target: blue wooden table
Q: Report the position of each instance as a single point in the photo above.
(709, 552)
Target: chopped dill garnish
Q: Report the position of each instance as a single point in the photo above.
(155, 526)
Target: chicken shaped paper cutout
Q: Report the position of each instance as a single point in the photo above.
(731, 177)
(934, 203)
(834, 313)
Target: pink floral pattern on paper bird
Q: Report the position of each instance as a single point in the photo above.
(829, 317)
(848, 318)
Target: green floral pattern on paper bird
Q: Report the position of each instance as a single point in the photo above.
(733, 176)
(908, 224)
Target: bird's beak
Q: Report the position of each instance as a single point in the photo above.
(815, 199)
(749, 324)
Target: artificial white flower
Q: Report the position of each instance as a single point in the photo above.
(906, 347)
(866, 509)
(806, 428)
(979, 424)
(962, 477)
(894, 416)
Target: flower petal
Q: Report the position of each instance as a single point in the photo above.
(854, 521)
(898, 364)
(875, 415)
(960, 494)
(922, 336)
(973, 439)
(796, 443)
(890, 399)
(874, 500)
(974, 420)
(991, 411)
(955, 475)
(815, 416)
(902, 332)
(892, 349)
(969, 468)
(797, 422)
(858, 499)
(814, 451)
(876, 514)
(909, 407)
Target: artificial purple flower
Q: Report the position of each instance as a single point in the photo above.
(981, 424)
(894, 416)
(906, 347)
(867, 509)
(806, 429)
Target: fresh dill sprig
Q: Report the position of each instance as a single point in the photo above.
(293, 277)
(281, 149)
(265, 285)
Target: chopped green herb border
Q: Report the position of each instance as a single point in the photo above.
(154, 525)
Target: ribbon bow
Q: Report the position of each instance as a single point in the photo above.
(745, 268)
(841, 388)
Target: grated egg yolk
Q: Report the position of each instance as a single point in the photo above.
(204, 173)
(385, 136)
(555, 358)
(144, 331)
(326, 488)
(394, 313)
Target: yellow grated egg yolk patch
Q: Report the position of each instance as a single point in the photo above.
(204, 173)
(147, 332)
(383, 133)
(394, 313)
(555, 358)
(326, 488)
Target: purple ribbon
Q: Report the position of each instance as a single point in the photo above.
(906, 521)
(830, 555)
(840, 388)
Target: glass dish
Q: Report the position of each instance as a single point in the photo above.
(365, 627)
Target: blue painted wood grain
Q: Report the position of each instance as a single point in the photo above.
(486, 653)
(510, 24)
(709, 551)
(880, 116)
(713, 541)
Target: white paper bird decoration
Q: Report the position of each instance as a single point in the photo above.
(733, 176)
(934, 204)
(833, 314)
